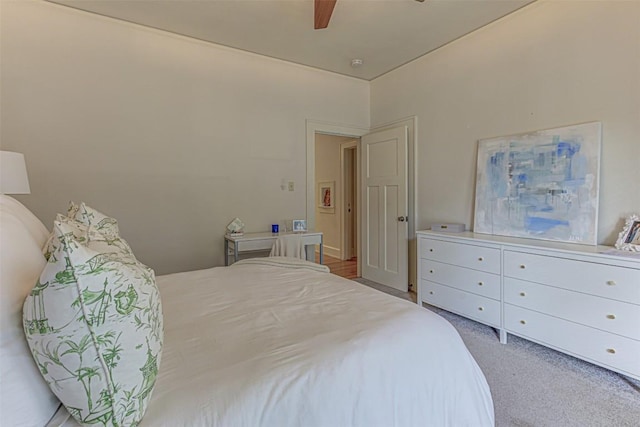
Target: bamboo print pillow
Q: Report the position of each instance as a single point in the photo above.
(86, 233)
(106, 227)
(87, 215)
(93, 322)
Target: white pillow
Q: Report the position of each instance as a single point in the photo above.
(25, 398)
(34, 226)
(94, 324)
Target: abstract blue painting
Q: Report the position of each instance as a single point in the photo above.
(541, 185)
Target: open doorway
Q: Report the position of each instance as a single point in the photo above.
(336, 201)
(315, 128)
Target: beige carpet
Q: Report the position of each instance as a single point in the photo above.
(532, 385)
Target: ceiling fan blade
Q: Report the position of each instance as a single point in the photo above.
(322, 13)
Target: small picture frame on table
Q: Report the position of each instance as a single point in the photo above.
(299, 225)
(629, 237)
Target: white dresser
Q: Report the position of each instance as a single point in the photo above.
(572, 298)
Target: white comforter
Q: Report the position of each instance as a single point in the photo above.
(257, 345)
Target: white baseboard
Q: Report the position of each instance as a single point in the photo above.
(330, 251)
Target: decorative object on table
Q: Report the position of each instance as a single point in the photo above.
(448, 227)
(629, 237)
(299, 225)
(235, 228)
(275, 228)
(541, 185)
(13, 173)
(287, 225)
(326, 196)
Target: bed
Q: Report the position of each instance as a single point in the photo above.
(275, 342)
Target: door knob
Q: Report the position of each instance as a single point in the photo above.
(403, 218)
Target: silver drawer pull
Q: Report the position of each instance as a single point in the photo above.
(611, 316)
(480, 283)
(611, 282)
(524, 322)
(611, 350)
(481, 308)
(522, 266)
(480, 259)
(522, 294)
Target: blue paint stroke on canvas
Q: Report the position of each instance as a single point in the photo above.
(540, 185)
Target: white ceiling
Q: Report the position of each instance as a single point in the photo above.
(385, 34)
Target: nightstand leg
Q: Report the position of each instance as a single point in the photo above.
(226, 252)
(235, 252)
(321, 250)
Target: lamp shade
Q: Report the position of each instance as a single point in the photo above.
(13, 173)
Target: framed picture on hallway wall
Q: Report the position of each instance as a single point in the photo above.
(325, 193)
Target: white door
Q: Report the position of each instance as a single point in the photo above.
(384, 208)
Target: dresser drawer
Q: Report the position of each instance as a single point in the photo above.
(609, 315)
(484, 310)
(608, 281)
(465, 279)
(471, 256)
(613, 351)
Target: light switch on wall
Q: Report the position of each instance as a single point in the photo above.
(290, 185)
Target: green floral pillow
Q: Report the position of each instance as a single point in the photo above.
(88, 216)
(92, 225)
(72, 210)
(93, 322)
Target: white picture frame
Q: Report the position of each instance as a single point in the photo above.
(299, 225)
(629, 237)
(326, 195)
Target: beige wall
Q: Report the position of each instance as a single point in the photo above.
(175, 137)
(172, 136)
(551, 64)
